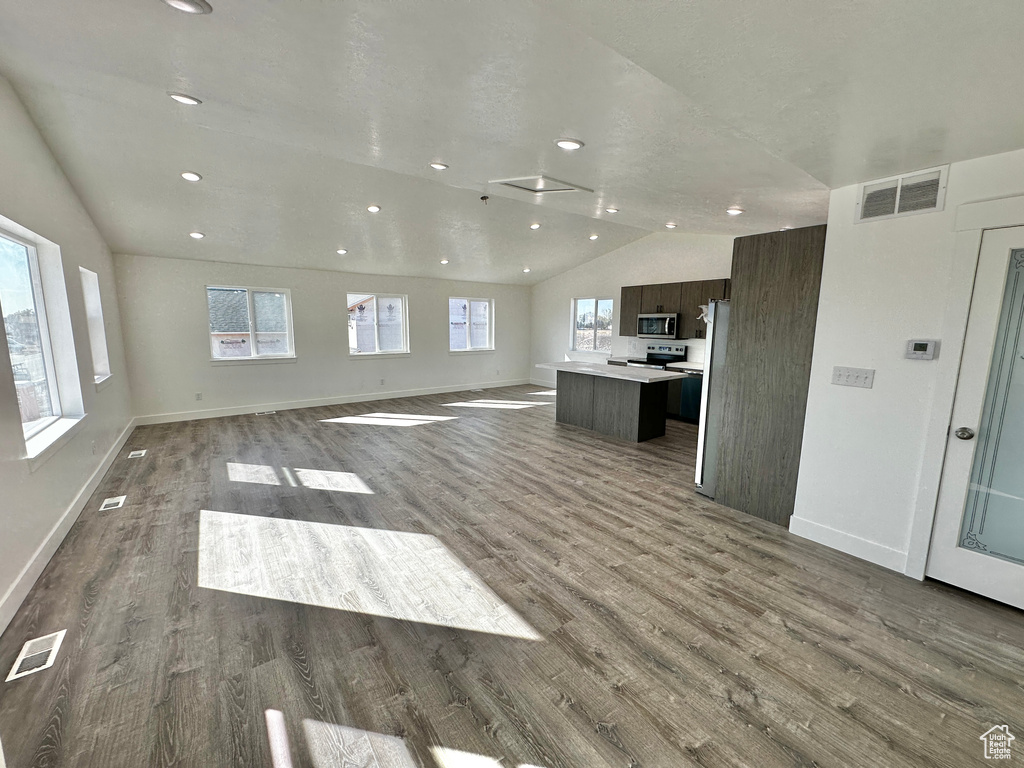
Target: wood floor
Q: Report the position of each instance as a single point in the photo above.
(616, 618)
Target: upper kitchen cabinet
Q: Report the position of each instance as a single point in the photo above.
(629, 308)
(660, 298)
(693, 295)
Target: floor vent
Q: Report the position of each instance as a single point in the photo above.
(136, 454)
(37, 655)
(918, 192)
(540, 185)
(112, 503)
(264, 413)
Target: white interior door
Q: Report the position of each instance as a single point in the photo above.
(978, 538)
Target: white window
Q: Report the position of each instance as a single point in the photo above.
(249, 323)
(592, 325)
(94, 320)
(28, 338)
(470, 324)
(377, 324)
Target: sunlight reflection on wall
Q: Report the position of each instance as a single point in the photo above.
(408, 576)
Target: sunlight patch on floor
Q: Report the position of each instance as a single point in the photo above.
(551, 392)
(511, 405)
(407, 576)
(338, 746)
(318, 479)
(252, 473)
(390, 419)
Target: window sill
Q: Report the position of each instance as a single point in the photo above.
(599, 353)
(102, 382)
(361, 355)
(218, 362)
(39, 448)
(488, 350)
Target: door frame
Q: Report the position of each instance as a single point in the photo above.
(972, 219)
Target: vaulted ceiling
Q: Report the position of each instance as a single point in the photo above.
(314, 110)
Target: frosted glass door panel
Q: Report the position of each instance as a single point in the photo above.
(993, 521)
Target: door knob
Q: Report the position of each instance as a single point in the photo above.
(964, 433)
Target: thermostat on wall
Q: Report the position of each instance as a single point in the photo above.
(922, 349)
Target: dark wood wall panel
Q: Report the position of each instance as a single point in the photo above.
(775, 283)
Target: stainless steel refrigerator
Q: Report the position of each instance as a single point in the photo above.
(711, 397)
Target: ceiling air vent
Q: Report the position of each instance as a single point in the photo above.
(919, 192)
(540, 185)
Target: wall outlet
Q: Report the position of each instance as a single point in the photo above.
(853, 377)
(382, 382)
(199, 395)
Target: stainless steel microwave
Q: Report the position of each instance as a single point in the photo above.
(658, 326)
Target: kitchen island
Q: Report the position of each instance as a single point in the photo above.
(623, 402)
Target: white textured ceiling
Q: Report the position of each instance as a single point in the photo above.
(314, 110)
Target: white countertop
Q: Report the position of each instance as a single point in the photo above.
(642, 375)
(686, 365)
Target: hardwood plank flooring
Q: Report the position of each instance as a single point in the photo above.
(491, 590)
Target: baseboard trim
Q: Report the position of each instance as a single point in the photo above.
(366, 397)
(893, 559)
(18, 591)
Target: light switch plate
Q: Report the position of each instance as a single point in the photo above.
(853, 377)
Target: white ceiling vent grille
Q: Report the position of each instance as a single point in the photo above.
(919, 192)
(36, 655)
(540, 185)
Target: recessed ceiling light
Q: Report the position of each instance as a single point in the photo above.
(184, 98)
(611, 210)
(671, 225)
(196, 235)
(373, 208)
(190, 6)
(439, 166)
(535, 226)
(341, 251)
(191, 176)
(526, 269)
(569, 144)
(593, 237)
(444, 261)
(734, 210)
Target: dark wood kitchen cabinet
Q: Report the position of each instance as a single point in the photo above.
(660, 298)
(629, 308)
(683, 298)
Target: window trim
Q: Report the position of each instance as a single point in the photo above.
(46, 343)
(572, 324)
(96, 326)
(249, 289)
(469, 315)
(377, 353)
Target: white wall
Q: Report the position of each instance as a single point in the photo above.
(872, 459)
(659, 258)
(167, 338)
(37, 508)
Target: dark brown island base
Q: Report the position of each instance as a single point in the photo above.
(627, 403)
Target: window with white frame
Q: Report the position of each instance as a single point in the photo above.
(28, 338)
(377, 324)
(249, 323)
(470, 324)
(94, 322)
(592, 325)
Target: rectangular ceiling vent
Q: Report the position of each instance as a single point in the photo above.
(36, 655)
(540, 185)
(918, 192)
